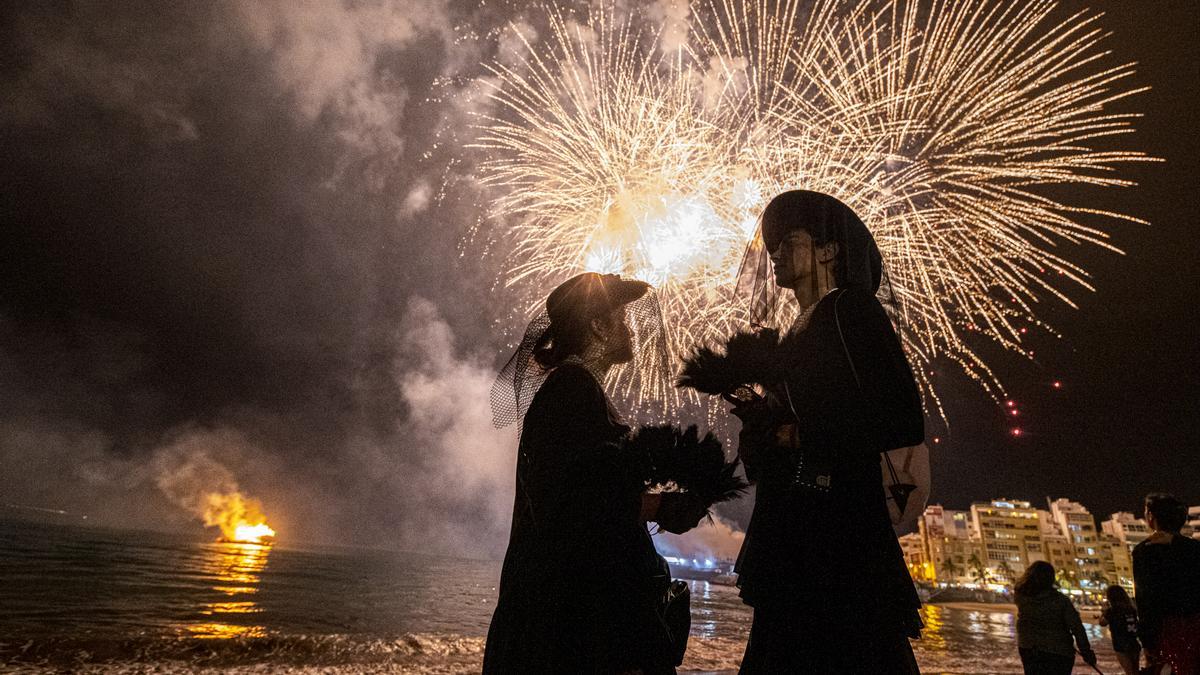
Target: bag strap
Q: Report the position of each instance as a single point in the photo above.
(845, 349)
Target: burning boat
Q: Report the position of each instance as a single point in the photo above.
(246, 533)
(240, 519)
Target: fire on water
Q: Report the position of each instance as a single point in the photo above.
(253, 534)
(240, 518)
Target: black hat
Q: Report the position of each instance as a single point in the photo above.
(554, 333)
(826, 219)
(589, 296)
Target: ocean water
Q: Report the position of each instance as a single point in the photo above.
(90, 600)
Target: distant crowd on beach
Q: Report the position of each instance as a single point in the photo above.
(1162, 628)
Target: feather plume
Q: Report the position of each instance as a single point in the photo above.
(748, 358)
(693, 463)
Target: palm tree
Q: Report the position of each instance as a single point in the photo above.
(951, 570)
(979, 571)
(1006, 572)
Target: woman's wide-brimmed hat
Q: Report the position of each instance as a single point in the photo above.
(590, 295)
(827, 219)
(570, 307)
(858, 261)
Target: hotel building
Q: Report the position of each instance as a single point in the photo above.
(1010, 533)
(948, 543)
(1005, 536)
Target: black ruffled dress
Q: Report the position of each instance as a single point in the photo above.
(821, 564)
(581, 577)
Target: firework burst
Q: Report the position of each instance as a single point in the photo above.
(614, 146)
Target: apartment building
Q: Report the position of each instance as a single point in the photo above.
(1010, 534)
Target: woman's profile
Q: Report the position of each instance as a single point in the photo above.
(581, 581)
(820, 565)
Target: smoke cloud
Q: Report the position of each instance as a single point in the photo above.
(189, 476)
(232, 267)
(716, 540)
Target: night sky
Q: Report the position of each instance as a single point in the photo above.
(232, 247)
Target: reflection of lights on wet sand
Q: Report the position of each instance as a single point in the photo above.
(989, 625)
(704, 618)
(935, 623)
(235, 568)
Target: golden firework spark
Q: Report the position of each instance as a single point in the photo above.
(613, 145)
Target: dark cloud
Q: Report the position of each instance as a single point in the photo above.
(212, 216)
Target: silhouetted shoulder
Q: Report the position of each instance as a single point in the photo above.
(856, 304)
(1190, 548)
(1179, 545)
(571, 384)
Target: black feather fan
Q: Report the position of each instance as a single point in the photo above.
(748, 358)
(693, 463)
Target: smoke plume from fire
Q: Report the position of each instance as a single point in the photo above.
(189, 475)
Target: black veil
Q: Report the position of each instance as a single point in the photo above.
(641, 385)
(858, 262)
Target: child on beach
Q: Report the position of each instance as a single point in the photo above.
(1121, 618)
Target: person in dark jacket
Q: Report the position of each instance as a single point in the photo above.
(1046, 623)
(581, 580)
(1121, 618)
(1166, 577)
(821, 565)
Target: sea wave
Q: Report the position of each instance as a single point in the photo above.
(413, 653)
(418, 654)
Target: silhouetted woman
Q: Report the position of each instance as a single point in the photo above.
(1166, 577)
(820, 564)
(581, 578)
(1121, 618)
(1046, 623)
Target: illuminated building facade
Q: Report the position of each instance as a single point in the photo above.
(1004, 536)
(949, 544)
(1010, 533)
(1086, 569)
(913, 547)
(1126, 528)
(1118, 561)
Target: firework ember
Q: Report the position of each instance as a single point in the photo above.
(616, 146)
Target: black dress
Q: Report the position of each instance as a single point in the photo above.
(581, 576)
(821, 564)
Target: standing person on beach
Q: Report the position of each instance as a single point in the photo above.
(821, 565)
(1166, 577)
(579, 507)
(1046, 623)
(1121, 618)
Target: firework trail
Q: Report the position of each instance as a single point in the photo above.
(615, 146)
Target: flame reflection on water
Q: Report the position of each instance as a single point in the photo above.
(236, 569)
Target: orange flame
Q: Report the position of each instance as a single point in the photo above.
(240, 518)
